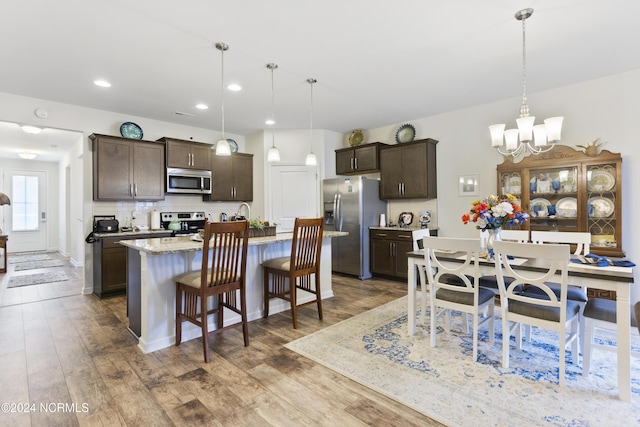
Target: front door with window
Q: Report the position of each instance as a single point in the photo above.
(25, 219)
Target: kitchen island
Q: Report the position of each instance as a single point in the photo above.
(153, 263)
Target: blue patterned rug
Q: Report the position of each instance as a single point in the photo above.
(443, 383)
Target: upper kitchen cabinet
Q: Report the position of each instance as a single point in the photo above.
(127, 169)
(567, 190)
(408, 170)
(231, 178)
(358, 160)
(187, 154)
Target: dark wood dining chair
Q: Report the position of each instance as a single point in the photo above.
(222, 276)
(292, 273)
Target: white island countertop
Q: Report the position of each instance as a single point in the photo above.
(178, 244)
(153, 263)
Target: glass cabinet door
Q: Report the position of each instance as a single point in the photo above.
(602, 204)
(553, 199)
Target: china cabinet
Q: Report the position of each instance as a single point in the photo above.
(567, 190)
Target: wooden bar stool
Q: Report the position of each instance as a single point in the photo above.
(222, 276)
(294, 272)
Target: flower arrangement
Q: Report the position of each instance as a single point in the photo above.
(495, 212)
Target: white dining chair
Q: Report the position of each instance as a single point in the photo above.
(489, 281)
(601, 314)
(581, 241)
(454, 287)
(417, 236)
(550, 311)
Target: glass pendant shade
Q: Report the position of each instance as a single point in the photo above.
(525, 127)
(540, 135)
(554, 128)
(311, 160)
(223, 148)
(497, 135)
(511, 138)
(273, 155)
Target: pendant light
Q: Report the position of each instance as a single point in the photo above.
(273, 155)
(222, 146)
(311, 158)
(526, 137)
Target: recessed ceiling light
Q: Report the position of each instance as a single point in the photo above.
(234, 87)
(102, 83)
(28, 156)
(34, 130)
(202, 107)
(269, 122)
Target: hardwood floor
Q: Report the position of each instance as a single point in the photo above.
(76, 351)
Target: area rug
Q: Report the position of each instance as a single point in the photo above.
(36, 279)
(375, 350)
(12, 259)
(31, 265)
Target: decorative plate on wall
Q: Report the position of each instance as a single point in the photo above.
(356, 137)
(405, 133)
(233, 145)
(130, 130)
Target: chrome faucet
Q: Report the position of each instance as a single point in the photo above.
(245, 204)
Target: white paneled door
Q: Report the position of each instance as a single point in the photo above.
(26, 219)
(294, 194)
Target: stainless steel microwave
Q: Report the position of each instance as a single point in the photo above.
(188, 181)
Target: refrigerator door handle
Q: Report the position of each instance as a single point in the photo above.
(338, 211)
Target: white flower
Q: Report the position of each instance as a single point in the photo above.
(502, 209)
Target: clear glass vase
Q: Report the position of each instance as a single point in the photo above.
(493, 236)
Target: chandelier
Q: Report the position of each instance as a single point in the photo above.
(535, 139)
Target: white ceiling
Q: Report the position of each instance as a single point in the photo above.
(377, 62)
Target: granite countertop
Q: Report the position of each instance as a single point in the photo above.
(396, 228)
(132, 233)
(167, 245)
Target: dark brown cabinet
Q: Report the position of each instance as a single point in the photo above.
(110, 264)
(358, 160)
(389, 252)
(187, 154)
(232, 178)
(126, 169)
(408, 170)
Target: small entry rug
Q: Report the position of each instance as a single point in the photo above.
(12, 259)
(375, 350)
(36, 279)
(30, 265)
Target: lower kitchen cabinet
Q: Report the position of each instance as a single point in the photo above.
(110, 264)
(389, 252)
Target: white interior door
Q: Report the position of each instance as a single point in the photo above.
(294, 194)
(26, 219)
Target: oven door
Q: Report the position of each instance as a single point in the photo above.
(188, 181)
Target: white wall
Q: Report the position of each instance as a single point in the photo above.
(606, 108)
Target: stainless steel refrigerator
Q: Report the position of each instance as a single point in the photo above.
(351, 204)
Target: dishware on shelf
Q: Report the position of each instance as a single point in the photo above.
(602, 207)
(555, 185)
(601, 180)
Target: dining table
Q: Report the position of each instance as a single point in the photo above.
(612, 278)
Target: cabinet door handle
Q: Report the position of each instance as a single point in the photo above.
(131, 190)
(135, 190)
(356, 162)
(400, 188)
(403, 188)
(393, 249)
(351, 163)
(402, 236)
(381, 235)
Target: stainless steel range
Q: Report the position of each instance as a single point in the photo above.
(182, 222)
